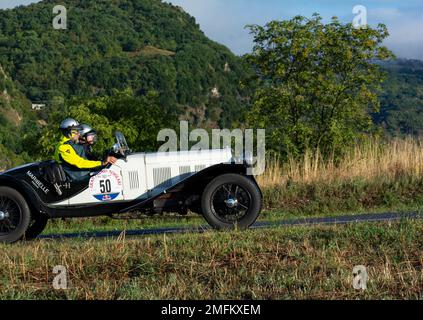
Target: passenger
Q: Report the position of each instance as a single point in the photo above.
(88, 137)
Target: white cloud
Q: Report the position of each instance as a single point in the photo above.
(5, 4)
(405, 29)
(385, 13)
(225, 21)
(406, 38)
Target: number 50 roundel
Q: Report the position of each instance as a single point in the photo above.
(106, 186)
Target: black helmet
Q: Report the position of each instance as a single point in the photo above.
(68, 125)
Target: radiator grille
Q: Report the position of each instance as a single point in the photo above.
(184, 170)
(199, 168)
(134, 181)
(162, 176)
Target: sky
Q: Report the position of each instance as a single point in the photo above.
(224, 20)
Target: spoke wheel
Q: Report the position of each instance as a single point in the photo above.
(15, 215)
(231, 201)
(10, 215)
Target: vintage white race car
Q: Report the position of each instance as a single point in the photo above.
(207, 182)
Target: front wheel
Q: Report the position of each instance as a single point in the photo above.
(231, 201)
(15, 215)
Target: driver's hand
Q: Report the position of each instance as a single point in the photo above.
(111, 160)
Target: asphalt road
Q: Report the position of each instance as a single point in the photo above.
(383, 217)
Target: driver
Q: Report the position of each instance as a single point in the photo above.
(71, 156)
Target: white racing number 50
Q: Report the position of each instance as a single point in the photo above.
(106, 186)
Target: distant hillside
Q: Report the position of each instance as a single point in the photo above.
(18, 125)
(142, 44)
(402, 98)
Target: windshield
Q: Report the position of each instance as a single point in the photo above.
(121, 143)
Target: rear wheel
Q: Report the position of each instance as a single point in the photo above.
(15, 215)
(230, 201)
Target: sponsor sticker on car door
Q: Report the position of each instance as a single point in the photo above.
(106, 186)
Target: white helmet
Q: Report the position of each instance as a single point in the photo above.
(68, 125)
(86, 130)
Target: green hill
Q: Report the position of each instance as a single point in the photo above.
(142, 44)
(402, 98)
(18, 124)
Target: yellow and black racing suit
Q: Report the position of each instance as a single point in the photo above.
(73, 160)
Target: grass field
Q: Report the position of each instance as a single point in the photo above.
(281, 263)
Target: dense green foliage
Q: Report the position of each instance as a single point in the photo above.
(141, 44)
(316, 83)
(402, 98)
(18, 126)
(139, 118)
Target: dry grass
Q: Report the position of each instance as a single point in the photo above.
(288, 263)
(369, 161)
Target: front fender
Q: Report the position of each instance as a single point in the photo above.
(31, 197)
(196, 183)
(201, 179)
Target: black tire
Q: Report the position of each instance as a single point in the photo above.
(15, 215)
(231, 201)
(36, 227)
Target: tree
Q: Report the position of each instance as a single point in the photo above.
(316, 82)
(139, 118)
